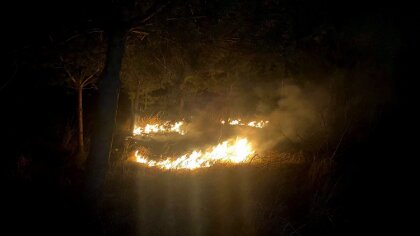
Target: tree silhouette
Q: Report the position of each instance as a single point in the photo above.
(82, 69)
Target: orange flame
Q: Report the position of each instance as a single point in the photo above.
(255, 124)
(164, 128)
(229, 151)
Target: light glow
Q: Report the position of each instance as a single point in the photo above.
(255, 124)
(232, 151)
(165, 128)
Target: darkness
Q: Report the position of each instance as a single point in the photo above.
(42, 190)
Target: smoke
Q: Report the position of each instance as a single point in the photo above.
(295, 117)
(315, 114)
(298, 115)
(294, 111)
(310, 113)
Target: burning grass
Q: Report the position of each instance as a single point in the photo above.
(154, 125)
(234, 151)
(160, 128)
(238, 122)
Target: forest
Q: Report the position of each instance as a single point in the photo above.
(198, 117)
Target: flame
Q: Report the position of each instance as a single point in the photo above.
(164, 128)
(234, 151)
(255, 124)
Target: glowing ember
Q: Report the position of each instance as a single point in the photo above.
(255, 124)
(164, 128)
(234, 151)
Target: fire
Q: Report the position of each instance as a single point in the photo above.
(233, 151)
(166, 127)
(255, 124)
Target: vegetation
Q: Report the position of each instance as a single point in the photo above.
(328, 81)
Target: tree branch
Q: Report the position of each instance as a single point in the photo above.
(141, 34)
(89, 79)
(70, 75)
(153, 11)
(90, 31)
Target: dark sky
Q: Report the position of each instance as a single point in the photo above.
(31, 19)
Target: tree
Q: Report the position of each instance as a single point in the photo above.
(82, 69)
(120, 18)
(141, 76)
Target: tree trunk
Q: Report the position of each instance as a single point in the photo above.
(109, 86)
(134, 106)
(80, 119)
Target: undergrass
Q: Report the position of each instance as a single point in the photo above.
(281, 195)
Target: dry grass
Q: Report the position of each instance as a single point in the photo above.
(151, 119)
(275, 194)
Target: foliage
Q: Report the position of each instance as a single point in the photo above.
(82, 61)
